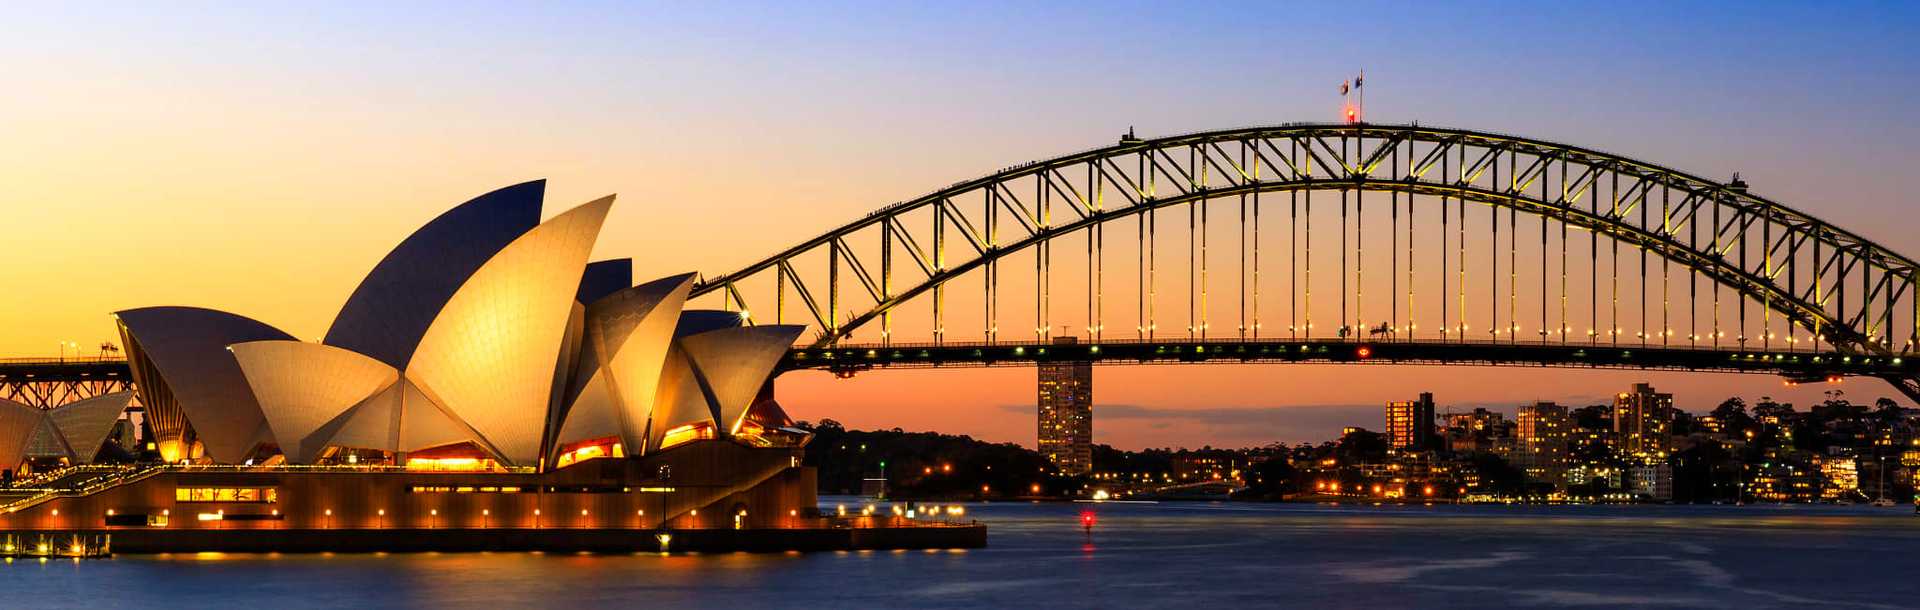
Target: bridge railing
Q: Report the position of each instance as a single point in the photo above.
(65, 360)
(1353, 340)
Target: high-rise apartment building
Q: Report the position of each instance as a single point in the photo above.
(1543, 441)
(1410, 423)
(1066, 413)
(1643, 423)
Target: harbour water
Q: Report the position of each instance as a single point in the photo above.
(1187, 555)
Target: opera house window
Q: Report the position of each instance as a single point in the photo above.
(256, 495)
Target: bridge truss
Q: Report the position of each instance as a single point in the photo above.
(1483, 242)
(48, 383)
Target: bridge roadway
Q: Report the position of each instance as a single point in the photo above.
(1794, 366)
(848, 359)
(63, 369)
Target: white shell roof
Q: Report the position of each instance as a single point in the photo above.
(188, 345)
(489, 357)
(389, 312)
(627, 334)
(17, 422)
(85, 424)
(303, 386)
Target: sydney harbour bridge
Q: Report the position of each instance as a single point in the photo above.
(1315, 243)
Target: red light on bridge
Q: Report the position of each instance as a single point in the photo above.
(1364, 352)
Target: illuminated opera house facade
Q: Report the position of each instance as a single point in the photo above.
(485, 377)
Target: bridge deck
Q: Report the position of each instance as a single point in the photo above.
(1795, 365)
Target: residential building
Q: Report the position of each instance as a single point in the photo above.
(1543, 442)
(1410, 423)
(1066, 413)
(1643, 422)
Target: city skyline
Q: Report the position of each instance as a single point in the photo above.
(301, 211)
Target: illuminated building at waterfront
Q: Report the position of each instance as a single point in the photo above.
(484, 375)
(1410, 423)
(1839, 476)
(1066, 413)
(1642, 423)
(1542, 452)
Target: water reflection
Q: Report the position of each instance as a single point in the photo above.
(1138, 555)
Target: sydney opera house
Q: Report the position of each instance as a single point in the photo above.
(485, 386)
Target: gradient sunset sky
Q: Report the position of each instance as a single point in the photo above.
(259, 158)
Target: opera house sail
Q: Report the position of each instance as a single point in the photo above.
(466, 384)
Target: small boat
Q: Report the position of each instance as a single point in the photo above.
(1883, 502)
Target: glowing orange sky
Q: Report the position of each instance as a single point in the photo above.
(261, 159)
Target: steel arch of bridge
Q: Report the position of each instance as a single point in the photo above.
(1841, 290)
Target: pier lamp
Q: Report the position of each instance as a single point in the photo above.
(383, 517)
(536, 517)
(486, 517)
(329, 515)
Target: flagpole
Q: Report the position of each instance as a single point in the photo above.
(1360, 91)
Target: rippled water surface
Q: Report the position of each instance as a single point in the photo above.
(1139, 555)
